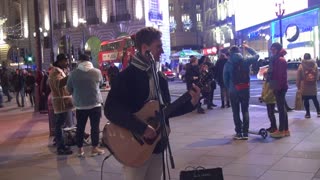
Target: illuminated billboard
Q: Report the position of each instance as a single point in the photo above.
(249, 13)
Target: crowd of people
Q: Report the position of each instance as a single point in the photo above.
(79, 91)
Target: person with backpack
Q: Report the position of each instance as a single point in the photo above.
(236, 77)
(307, 77)
(268, 97)
(277, 78)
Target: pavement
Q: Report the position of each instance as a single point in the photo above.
(196, 140)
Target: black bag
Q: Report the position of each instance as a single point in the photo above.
(201, 173)
(241, 78)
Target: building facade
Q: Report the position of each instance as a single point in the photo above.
(79, 25)
(186, 24)
(219, 25)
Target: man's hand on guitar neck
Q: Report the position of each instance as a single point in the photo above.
(195, 94)
(150, 133)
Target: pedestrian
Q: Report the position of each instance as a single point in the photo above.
(224, 94)
(83, 83)
(44, 91)
(277, 78)
(192, 77)
(113, 72)
(30, 87)
(236, 77)
(268, 97)
(19, 87)
(1, 97)
(5, 83)
(61, 100)
(130, 93)
(307, 77)
(211, 71)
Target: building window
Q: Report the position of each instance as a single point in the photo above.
(198, 7)
(173, 24)
(62, 13)
(171, 7)
(91, 11)
(187, 24)
(121, 7)
(198, 17)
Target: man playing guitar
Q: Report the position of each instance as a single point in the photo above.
(132, 89)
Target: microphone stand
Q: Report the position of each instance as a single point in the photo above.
(161, 115)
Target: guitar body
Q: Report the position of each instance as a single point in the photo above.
(124, 144)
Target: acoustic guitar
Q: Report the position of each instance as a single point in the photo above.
(131, 149)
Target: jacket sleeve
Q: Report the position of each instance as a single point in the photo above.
(69, 84)
(299, 77)
(283, 73)
(254, 55)
(117, 109)
(226, 76)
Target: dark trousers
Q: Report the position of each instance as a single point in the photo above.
(272, 117)
(5, 90)
(60, 121)
(306, 103)
(240, 99)
(283, 115)
(224, 94)
(31, 97)
(82, 116)
(19, 94)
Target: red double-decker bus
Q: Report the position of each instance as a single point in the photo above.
(116, 51)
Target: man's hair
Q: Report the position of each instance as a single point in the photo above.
(307, 56)
(277, 46)
(193, 59)
(84, 57)
(60, 57)
(146, 36)
(234, 49)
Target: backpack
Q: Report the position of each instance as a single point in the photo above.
(241, 78)
(310, 75)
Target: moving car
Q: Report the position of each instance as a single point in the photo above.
(169, 73)
(291, 72)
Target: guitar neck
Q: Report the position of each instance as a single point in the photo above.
(177, 103)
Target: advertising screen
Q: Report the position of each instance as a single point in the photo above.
(252, 12)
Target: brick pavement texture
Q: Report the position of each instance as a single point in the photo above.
(196, 140)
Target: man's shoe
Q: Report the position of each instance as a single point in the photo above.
(1, 106)
(222, 106)
(209, 107)
(318, 114)
(97, 151)
(80, 152)
(278, 134)
(200, 111)
(237, 136)
(213, 105)
(271, 129)
(289, 109)
(245, 136)
(307, 116)
(287, 133)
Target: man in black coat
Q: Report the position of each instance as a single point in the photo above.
(132, 89)
(219, 78)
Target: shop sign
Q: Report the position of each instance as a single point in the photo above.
(210, 51)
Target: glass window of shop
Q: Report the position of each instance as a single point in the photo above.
(300, 34)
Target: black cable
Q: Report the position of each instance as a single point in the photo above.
(103, 164)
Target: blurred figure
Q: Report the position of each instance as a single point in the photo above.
(224, 94)
(30, 87)
(1, 97)
(211, 71)
(5, 83)
(113, 72)
(44, 91)
(307, 77)
(19, 85)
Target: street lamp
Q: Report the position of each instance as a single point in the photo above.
(279, 13)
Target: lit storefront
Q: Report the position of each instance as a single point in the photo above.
(300, 34)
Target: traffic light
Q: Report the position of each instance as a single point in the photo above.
(29, 59)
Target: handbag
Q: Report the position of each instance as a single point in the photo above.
(201, 173)
(298, 101)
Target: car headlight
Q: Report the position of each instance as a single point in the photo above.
(174, 74)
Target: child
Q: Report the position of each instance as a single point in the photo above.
(268, 97)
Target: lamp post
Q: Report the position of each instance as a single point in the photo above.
(82, 23)
(279, 13)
